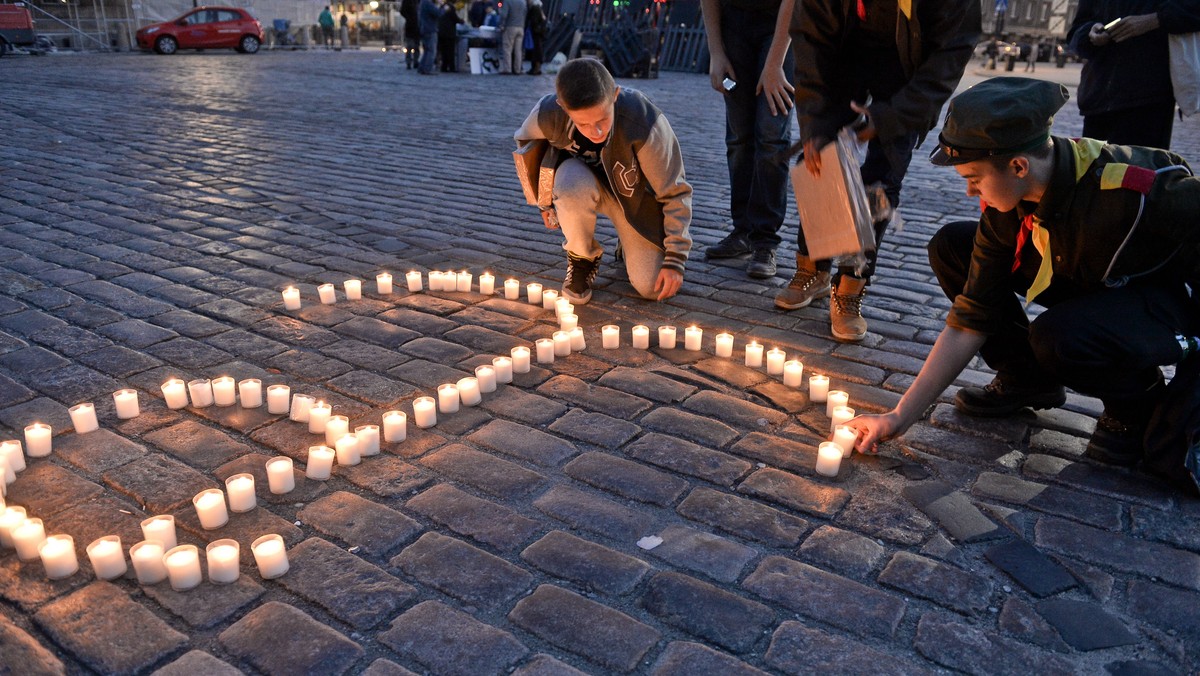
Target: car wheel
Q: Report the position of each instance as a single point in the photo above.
(166, 45)
(248, 45)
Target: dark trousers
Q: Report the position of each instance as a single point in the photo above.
(886, 163)
(429, 44)
(448, 46)
(1142, 126)
(755, 140)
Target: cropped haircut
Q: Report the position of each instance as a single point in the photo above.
(584, 83)
(1039, 152)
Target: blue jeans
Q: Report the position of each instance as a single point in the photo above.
(428, 53)
(755, 140)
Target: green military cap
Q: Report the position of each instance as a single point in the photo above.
(1000, 116)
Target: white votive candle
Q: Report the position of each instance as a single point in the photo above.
(754, 355)
(318, 417)
(240, 488)
(413, 277)
(485, 375)
(464, 281)
(346, 450)
(793, 373)
(395, 426)
(201, 393)
(693, 338)
(835, 398)
(160, 529)
(14, 452)
(841, 416)
(10, 517)
(147, 557)
(58, 557)
(383, 283)
(270, 555)
(127, 404)
(666, 337)
(224, 391)
(183, 567)
(549, 298)
(568, 322)
(448, 400)
(533, 293)
(281, 477)
(301, 408)
(438, 280)
(468, 391)
(520, 358)
(775, 359)
(578, 342)
(291, 298)
(610, 336)
(818, 388)
(107, 557)
(368, 440)
(278, 399)
(512, 289)
(353, 288)
(641, 337)
(829, 458)
(424, 412)
(327, 293)
(27, 537)
(724, 345)
(487, 284)
(320, 462)
(83, 418)
(845, 437)
(222, 558)
(175, 393)
(335, 428)
(545, 350)
(211, 509)
(504, 369)
(250, 392)
(38, 441)
(563, 306)
(562, 343)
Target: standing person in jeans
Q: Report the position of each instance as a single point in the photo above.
(615, 154)
(325, 20)
(748, 46)
(512, 36)
(430, 13)
(894, 62)
(410, 10)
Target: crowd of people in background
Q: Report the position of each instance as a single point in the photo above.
(432, 30)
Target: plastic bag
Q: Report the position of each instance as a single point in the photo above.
(1185, 71)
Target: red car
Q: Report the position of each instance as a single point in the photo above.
(204, 28)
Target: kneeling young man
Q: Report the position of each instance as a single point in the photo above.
(1107, 239)
(613, 153)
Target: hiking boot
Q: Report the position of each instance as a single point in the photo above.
(845, 309)
(807, 284)
(1115, 442)
(997, 399)
(734, 245)
(581, 272)
(762, 263)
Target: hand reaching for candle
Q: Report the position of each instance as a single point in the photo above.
(550, 218)
(1133, 26)
(668, 283)
(873, 429)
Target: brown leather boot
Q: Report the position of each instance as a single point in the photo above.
(845, 309)
(806, 285)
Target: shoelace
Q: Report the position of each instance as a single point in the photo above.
(572, 268)
(849, 304)
(802, 276)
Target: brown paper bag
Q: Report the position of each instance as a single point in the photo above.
(535, 162)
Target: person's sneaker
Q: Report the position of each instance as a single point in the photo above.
(845, 309)
(581, 272)
(997, 399)
(1115, 442)
(734, 245)
(808, 283)
(762, 263)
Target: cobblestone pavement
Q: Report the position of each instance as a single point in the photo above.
(151, 210)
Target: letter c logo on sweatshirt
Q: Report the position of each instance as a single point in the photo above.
(627, 178)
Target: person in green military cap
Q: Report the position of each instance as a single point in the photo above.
(1107, 239)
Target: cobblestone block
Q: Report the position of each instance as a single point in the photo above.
(461, 423)
(287, 437)
(587, 564)
(1153, 524)
(939, 547)
(107, 631)
(135, 333)
(46, 490)
(207, 605)
(75, 383)
(487, 340)
(364, 355)
(1094, 580)
(689, 426)
(324, 315)
(436, 350)
(1119, 551)
(688, 458)
(868, 399)
(781, 396)
(842, 551)
(97, 452)
(351, 589)
(27, 587)
(26, 324)
(646, 385)
(296, 333)
(467, 573)
(42, 410)
(605, 636)
(1102, 480)
(684, 658)
(449, 641)
(594, 514)
(778, 452)
(731, 372)
(522, 406)
(188, 324)
(1041, 575)
(386, 476)
(626, 478)
(952, 510)
(595, 428)
(943, 584)
(1166, 607)
(876, 511)
(359, 522)
(197, 445)
(421, 322)
(12, 392)
(741, 517)
(382, 667)
(23, 654)
(1058, 443)
(544, 665)
(307, 366)
(427, 375)
(376, 331)
(795, 492)
(188, 353)
(708, 612)
(246, 345)
(1019, 620)
(705, 553)
(183, 296)
(523, 442)
(73, 342)
(428, 304)
(1100, 512)
(482, 520)
(281, 640)
(736, 412)
(827, 597)
(95, 518)
(243, 420)
(940, 442)
(1010, 430)
(595, 397)
(954, 644)
(306, 490)
(1085, 625)
(494, 476)
(197, 662)
(797, 649)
